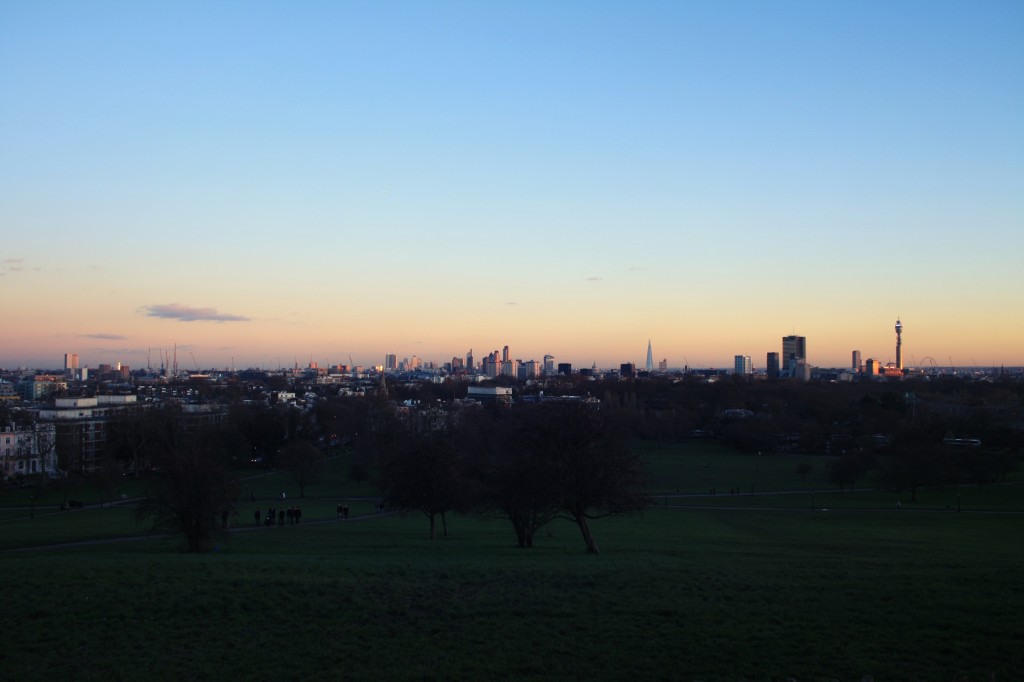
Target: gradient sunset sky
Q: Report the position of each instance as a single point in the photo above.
(277, 182)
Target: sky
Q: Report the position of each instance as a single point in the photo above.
(265, 183)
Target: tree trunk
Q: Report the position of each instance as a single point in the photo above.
(431, 517)
(588, 538)
(444, 524)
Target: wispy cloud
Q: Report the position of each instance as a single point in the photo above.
(511, 303)
(104, 337)
(184, 313)
(593, 279)
(12, 264)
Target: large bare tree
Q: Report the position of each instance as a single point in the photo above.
(190, 492)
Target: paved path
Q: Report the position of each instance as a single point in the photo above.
(159, 536)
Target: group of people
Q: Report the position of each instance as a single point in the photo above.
(293, 514)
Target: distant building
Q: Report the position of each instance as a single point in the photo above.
(649, 365)
(504, 354)
(390, 362)
(528, 370)
(872, 367)
(899, 345)
(549, 364)
(663, 365)
(80, 428)
(794, 351)
(565, 368)
(7, 391)
(855, 361)
(27, 450)
(627, 370)
(41, 386)
(490, 365)
(469, 361)
(70, 361)
(490, 394)
(742, 365)
(773, 365)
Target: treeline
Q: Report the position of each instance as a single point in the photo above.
(538, 461)
(188, 461)
(528, 465)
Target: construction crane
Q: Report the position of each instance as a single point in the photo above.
(194, 361)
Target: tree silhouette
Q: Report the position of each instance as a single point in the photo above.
(189, 492)
(304, 461)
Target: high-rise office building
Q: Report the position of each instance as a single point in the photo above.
(469, 361)
(794, 352)
(649, 365)
(772, 366)
(549, 364)
(390, 362)
(627, 369)
(529, 369)
(742, 365)
(856, 361)
(565, 368)
(504, 354)
(70, 361)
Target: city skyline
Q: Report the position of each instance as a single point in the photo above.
(156, 358)
(563, 178)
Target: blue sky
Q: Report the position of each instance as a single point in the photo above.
(572, 178)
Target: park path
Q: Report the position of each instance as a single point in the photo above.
(160, 536)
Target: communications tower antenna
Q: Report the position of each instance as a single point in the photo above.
(899, 344)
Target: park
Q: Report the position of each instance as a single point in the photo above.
(740, 567)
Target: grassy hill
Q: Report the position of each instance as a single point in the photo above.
(709, 587)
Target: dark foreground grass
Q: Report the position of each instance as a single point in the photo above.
(677, 594)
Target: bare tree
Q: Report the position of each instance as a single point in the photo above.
(516, 478)
(424, 472)
(190, 493)
(566, 460)
(596, 472)
(304, 461)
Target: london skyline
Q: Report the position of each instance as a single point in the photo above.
(271, 184)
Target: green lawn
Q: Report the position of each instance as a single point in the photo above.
(700, 466)
(681, 593)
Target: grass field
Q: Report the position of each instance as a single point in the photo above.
(687, 593)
